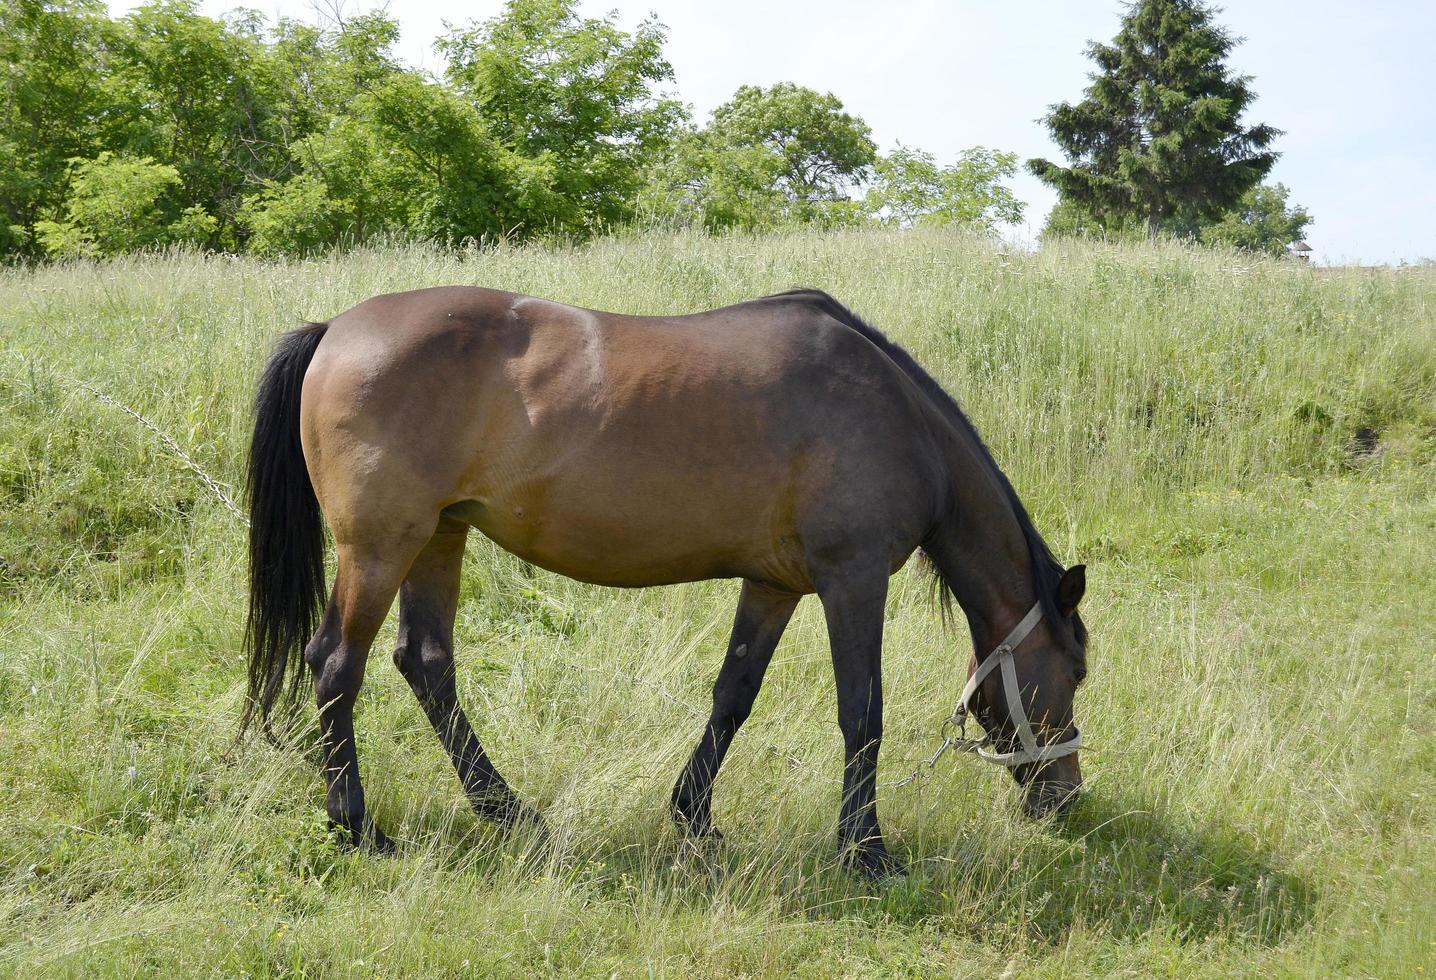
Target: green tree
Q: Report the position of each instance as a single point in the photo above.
(910, 188)
(207, 102)
(1158, 136)
(1262, 221)
(339, 182)
(319, 70)
(115, 205)
(705, 184)
(297, 216)
(225, 103)
(407, 158)
(55, 106)
(769, 157)
(1070, 219)
(575, 96)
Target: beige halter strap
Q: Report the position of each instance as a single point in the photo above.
(1001, 659)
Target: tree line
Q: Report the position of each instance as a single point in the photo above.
(237, 134)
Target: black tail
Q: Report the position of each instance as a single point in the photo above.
(286, 531)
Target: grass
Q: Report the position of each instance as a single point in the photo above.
(1242, 450)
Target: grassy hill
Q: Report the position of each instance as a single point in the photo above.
(1242, 450)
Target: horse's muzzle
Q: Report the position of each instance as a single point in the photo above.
(1050, 798)
(1051, 789)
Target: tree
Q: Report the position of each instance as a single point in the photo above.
(1070, 219)
(910, 188)
(575, 96)
(205, 101)
(1158, 136)
(407, 158)
(1261, 222)
(55, 106)
(769, 157)
(318, 71)
(116, 205)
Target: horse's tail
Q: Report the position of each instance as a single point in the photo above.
(286, 531)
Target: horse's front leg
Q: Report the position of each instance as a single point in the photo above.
(758, 626)
(853, 604)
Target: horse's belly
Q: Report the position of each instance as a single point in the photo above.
(632, 543)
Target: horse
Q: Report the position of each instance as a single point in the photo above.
(783, 442)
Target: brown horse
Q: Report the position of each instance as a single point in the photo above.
(783, 442)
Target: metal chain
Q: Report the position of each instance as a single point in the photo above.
(959, 741)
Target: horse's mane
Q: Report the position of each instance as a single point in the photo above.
(1045, 568)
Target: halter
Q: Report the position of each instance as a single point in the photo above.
(1001, 659)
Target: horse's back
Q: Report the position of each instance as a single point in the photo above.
(613, 448)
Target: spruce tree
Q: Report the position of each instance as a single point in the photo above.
(1158, 137)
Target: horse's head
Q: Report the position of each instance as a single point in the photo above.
(1030, 723)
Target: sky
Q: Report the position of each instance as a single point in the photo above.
(1350, 83)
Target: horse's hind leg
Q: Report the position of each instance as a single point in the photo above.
(758, 626)
(363, 591)
(428, 602)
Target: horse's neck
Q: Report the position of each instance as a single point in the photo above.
(981, 550)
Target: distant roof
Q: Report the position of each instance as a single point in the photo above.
(1301, 247)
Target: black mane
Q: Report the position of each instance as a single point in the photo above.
(1046, 570)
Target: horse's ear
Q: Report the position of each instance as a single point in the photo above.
(1070, 589)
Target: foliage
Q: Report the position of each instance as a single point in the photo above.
(1186, 422)
(823, 149)
(575, 98)
(200, 104)
(769, 157)
(1262, 222)
(293, 138)
(1158, 137)
(298, 138)
(298, 216)
(910, 188)
(405, 158)
(1071, 219)
(55, 106)
(116, 204)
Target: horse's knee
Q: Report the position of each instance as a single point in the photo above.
(733, 702)
(424, 662)
(337, 676)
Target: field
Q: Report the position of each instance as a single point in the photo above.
(1242, 450)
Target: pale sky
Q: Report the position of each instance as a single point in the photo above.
(1350, 83)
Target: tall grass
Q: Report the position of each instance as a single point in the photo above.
(1241, 449)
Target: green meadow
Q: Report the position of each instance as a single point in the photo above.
(1242, 450)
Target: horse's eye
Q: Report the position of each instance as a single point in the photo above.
(1081, 673)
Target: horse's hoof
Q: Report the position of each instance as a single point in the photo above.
(694, 827)
(699, 833)
(377, 842)
(873, 863)
(521, 816)
(699, 842)
(368, 838)
(510, 813)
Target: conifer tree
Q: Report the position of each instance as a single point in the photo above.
(1158, 137)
